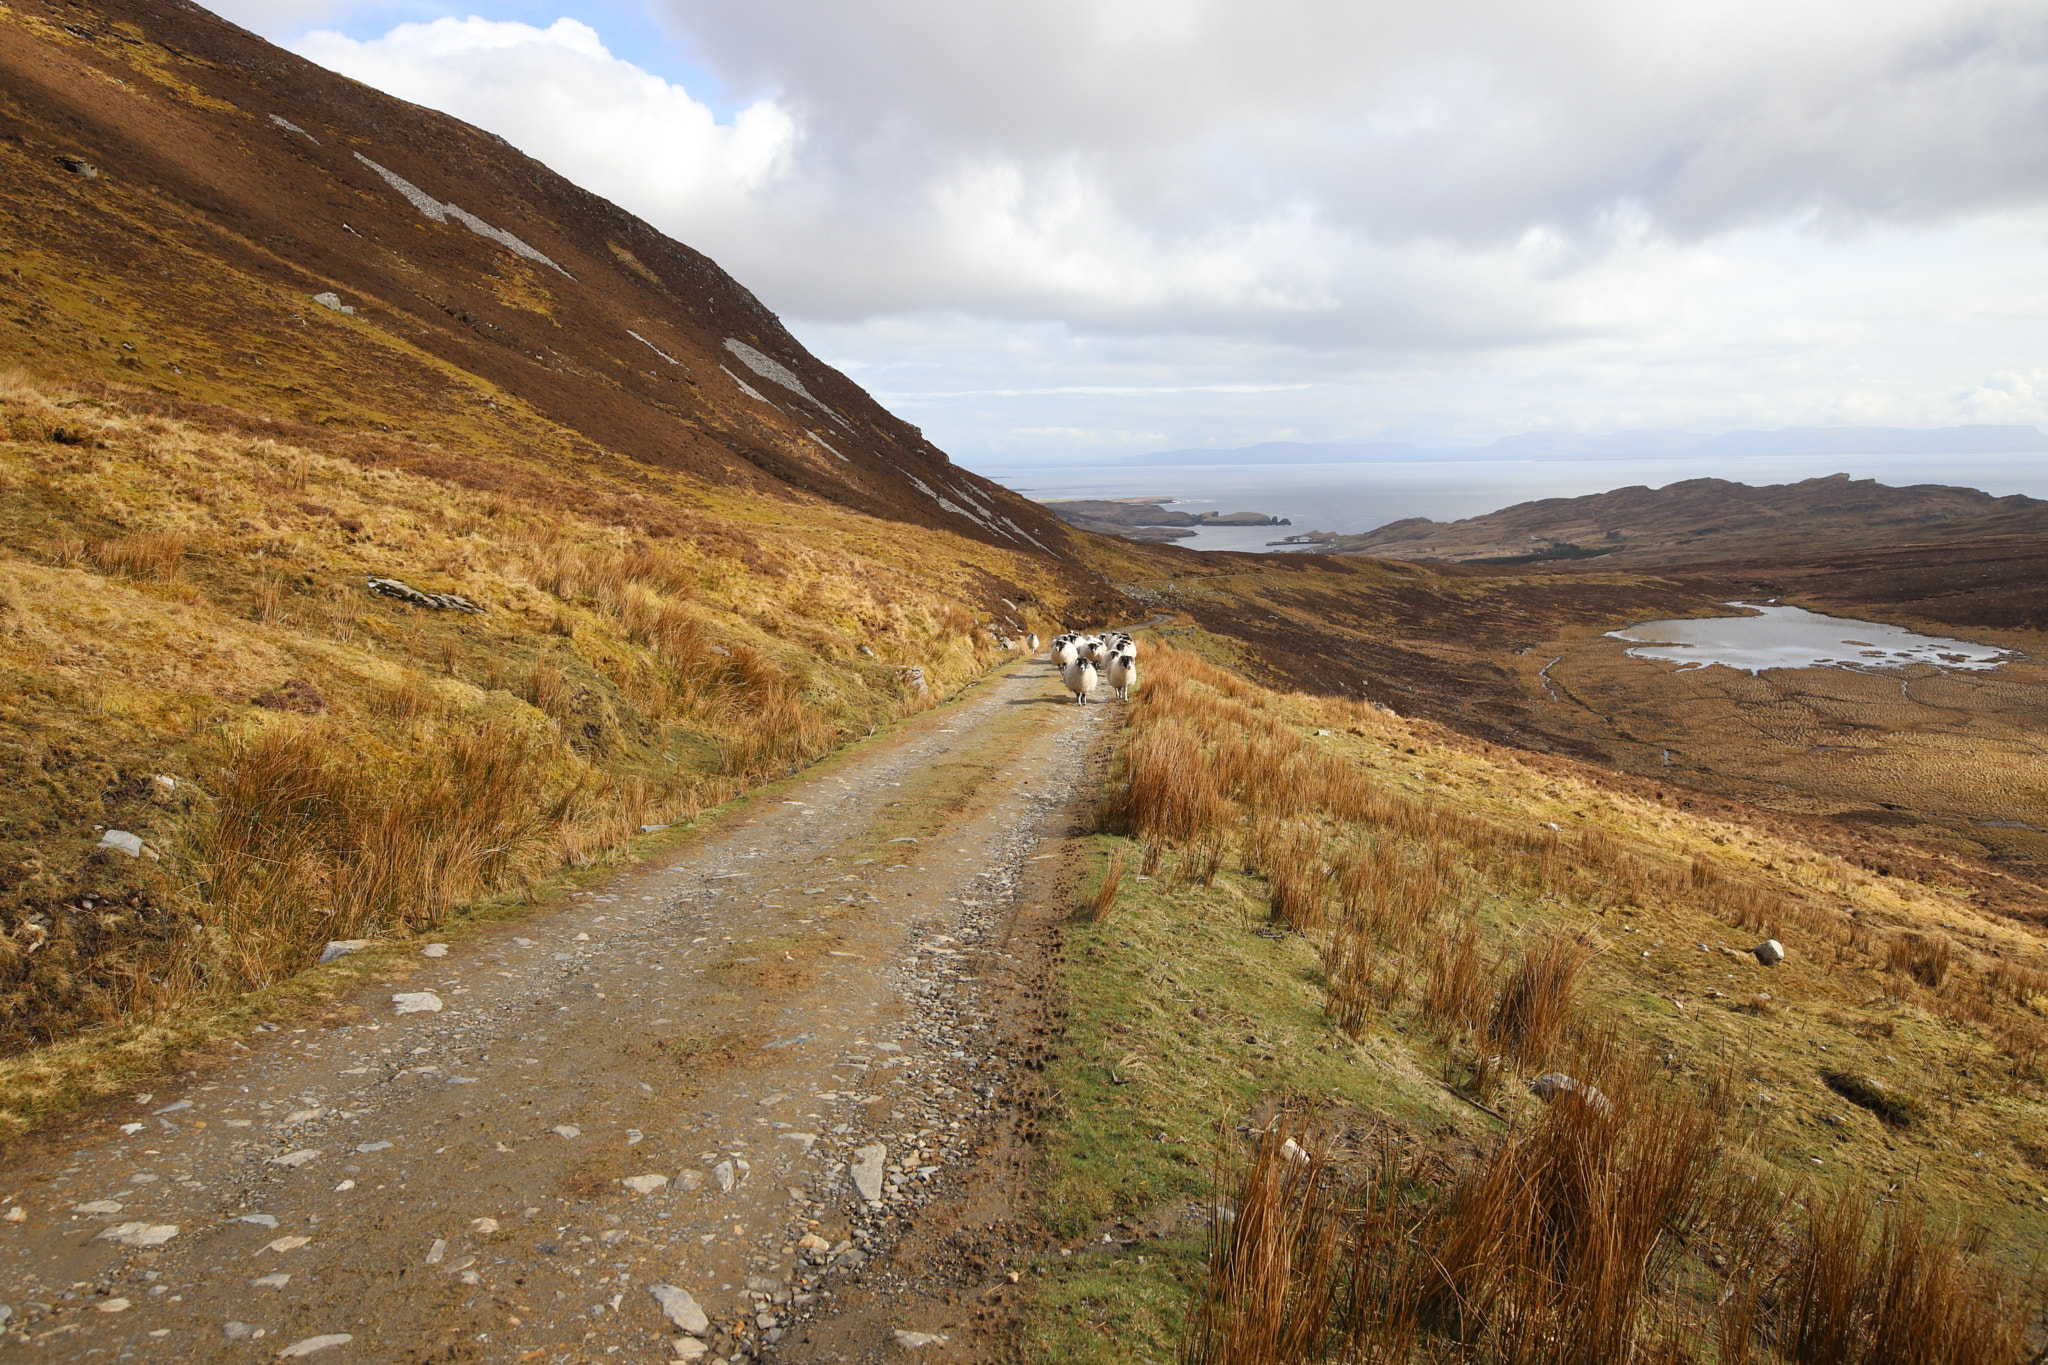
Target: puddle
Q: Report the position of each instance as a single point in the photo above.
(1788, 637)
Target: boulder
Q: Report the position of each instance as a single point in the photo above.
(1770, 952)
(681, 1308)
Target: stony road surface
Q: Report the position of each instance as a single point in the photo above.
(756, 1097)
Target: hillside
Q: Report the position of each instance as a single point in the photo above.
(177, 196)
(271, 338)
(1707, 519)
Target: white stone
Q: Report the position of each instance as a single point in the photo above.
(434, 950)
(417, 1002)
(298, 1158)
(483, 1227)
(112, 1305)
(910, 1341)
(139, 1234)
(567, 1130)
(689, 1348)
(288, 1244)
(690, 1180)
(262, 1220)
(645, 1184)
(130, 844)
(438, 1250)
(342, 947)
(681, 1308)
(271, 1281)
(311, 1344)
(1770, 952)
(867, 1171)
(722, 1173)
(97, 1206)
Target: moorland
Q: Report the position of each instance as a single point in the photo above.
(395, 536)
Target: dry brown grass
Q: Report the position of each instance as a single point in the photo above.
(1104, 899)
(183, 600)
(1615, 1230)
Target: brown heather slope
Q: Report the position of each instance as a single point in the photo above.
(703, 558)
(1700, 520)
(174, 192)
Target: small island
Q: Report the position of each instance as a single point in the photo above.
(1149, 518)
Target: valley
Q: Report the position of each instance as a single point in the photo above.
(534, 827)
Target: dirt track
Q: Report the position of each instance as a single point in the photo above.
(855, 960)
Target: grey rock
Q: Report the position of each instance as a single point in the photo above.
(866, 1171)
(1770, 952)
(439, 601)
(910, 1341)
(240, 1331)
(722, 1173)
(130, 844)
(1551, 1084)
(681, 1308)
(332, 301)
(342, 947)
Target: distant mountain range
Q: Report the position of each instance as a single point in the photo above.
(1564, 445)
(1706, 518)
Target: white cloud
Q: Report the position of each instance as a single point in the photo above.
(1473, 216)
(560, 96)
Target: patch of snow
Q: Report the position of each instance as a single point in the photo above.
(441, 213)
(652, 347)
(748, 389)
(281, 121)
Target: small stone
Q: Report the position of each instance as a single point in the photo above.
(302, 1116)
(97, 1206)
(271, 1281)
(311, 1344)
(296, 1159)
(482, 1227)
(417, 1002)
(437, 1251)
(1770, 952)
(434, 950)
(130, 844)
(288, 1244)
(240, 1331)
(867, 1171)
(342, 947)
(910, 1341)
(689, 1348)
(139, 1234)
(367, 1147)
(645, 1184)
(112, 1305)
(722, 1173)
(344, 1187)
(263, 1220)
(131, 1129)
(690, 1180)
(18, 1214)
(811, 1241)
(681, 1308)
(176, 1106)
(567, 1130)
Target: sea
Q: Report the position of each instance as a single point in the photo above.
(1359, 497)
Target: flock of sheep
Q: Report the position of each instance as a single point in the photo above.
(1085, 660)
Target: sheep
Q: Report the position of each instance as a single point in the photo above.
(1064, 652)
(1123, 674)
(1092, 650)
(1079, 676)
(1031, 640)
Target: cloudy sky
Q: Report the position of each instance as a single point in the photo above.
(1076, 228)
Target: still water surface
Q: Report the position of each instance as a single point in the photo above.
(1787, 637)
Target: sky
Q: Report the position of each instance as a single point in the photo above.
(1074, 230)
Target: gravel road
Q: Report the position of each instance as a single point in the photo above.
(758, 1097)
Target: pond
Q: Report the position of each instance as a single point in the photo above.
(1787, 637)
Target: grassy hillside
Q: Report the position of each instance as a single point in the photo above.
(190, 652)
(1370, 935)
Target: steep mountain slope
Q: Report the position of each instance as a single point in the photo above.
(386, 523)
(177, 193)
(1701, 519)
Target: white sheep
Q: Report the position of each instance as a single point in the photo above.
(1079, 676)
(1064, 652)
(1032, 641)
(1123, 674)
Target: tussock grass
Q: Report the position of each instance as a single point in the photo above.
(189, 602)
(1468, 923)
